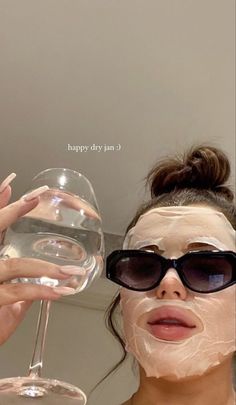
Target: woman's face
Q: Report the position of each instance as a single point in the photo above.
(172, 331)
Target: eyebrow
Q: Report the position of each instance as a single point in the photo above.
(190, 245)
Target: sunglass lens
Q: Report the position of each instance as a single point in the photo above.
(137, 272)
(207, 273)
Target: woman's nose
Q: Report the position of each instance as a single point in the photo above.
(171, 287)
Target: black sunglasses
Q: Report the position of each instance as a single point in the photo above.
(201, 271)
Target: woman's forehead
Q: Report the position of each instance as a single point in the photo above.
(182, 226)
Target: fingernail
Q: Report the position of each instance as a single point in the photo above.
(73, 270)
(35, 193)
(7, 181)
(64, 290)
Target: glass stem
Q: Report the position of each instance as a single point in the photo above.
(36, 364)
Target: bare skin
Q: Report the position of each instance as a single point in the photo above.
(215, 387)
(198, 391)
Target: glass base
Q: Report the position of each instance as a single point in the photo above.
(26, 390)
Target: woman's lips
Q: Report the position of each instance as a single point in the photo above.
(171, 323)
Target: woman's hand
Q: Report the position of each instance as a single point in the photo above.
(15, 299)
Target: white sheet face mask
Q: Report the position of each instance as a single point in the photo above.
(214, 314)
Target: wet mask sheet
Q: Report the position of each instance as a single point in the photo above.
(172, 229)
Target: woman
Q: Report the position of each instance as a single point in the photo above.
(178, 322)
(179, 316)
(15, 299)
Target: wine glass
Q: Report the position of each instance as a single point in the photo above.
(65, 228)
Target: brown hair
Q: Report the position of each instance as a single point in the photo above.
(196, 177)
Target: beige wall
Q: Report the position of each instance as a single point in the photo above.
(154, 76)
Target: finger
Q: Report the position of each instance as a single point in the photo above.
(2, 235)
(14, 312)
(5, 196)
(11, 293)
(10, 214)
(7, 181)
(11, 316)
(76, 203)
(31, 268)
(20, 307)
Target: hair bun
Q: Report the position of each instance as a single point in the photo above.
(201, 167)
